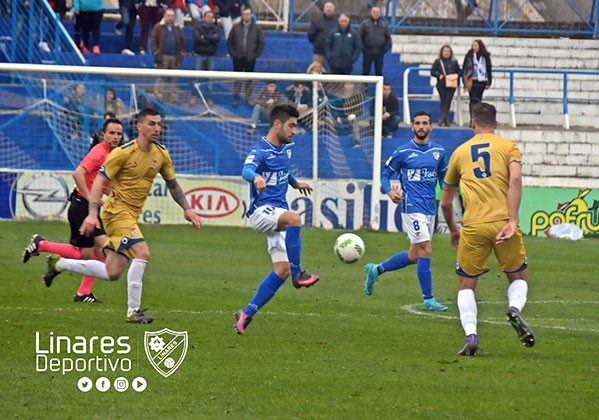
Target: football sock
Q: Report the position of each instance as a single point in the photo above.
(85, 287)
(425, 277)
(266, 290)
(468, 310)
(293, 243)
(134, 283)
(397, 261)
(92, 268)
(516, 294)
(64, 250)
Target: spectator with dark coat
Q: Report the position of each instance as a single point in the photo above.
(390, 111)
(319, 32)
(477, 71)
(445, 65)
(343, 47)
(376, 41)
(230, 13)
(245, 45)
(168, 47)
(206, 36)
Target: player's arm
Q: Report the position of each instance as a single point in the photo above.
(79, 177)
(394, 192)
(249, 174)
(94, 198)
(179, 196)
(514, 197)
(303, 187)
(447, 196)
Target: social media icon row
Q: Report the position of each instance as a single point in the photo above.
(120, 384)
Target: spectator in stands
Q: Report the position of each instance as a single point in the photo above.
(346, 108)
(230, 12)
(168, 47)
(376, 41)
(59, 7)
(197, 9)
(112, 104)
(343, 47)
(390, 111)
(477, 71)
(150, 13)
(245, 45)
(89, 14)
(128, 11)
(178, 7)
(443, 66)
(206, 36)
(299, 95)
(268, 98)
(319, 32)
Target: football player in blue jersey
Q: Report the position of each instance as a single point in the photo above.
(267, 169)
(420, 165)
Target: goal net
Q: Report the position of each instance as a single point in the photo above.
(210, 121)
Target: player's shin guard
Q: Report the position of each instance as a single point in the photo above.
(134, 283)
(293, 243)
(266, 290)
(468, 310)
(397, 261)
(91, 268)
(517, 294)
(425, 277)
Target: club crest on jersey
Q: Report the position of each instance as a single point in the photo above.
(289, 153)
(165, 349)
(154, 164)
(436, 155)
(134, 232)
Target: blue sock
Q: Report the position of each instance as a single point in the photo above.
(266, 290)
(425, 277)
(397, 261)
(293, 243)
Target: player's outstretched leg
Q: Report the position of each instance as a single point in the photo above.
(242, 320)
(51, 270)
(525, 334)
(372, 275)
(425, 278)
(293, 243)
(33, 248)
(471, 346)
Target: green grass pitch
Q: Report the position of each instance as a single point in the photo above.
(328, 352)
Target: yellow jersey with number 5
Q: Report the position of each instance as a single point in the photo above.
(481, 168)
(131, 172)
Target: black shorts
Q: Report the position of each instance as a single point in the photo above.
(77, 213)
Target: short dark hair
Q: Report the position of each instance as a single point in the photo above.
(283, 113)
(420, 114)
(109, 114)
(111, 120)
(484, 114)
(141, 116)
(387, 84)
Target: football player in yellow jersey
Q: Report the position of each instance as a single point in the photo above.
(488, 169)
(129, 171)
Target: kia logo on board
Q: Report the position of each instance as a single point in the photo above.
(212, 201)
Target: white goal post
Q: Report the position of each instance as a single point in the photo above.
(371, 123)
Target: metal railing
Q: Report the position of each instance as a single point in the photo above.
(491, 17)
(512, 97)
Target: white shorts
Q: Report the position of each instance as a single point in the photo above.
(265, 219)
(418, 226)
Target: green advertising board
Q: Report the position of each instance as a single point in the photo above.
(542, 208)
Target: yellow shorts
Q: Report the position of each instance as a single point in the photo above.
(476, 243)
(122, 232)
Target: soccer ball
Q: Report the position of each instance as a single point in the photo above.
(349, 248)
